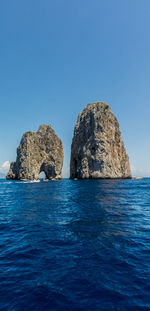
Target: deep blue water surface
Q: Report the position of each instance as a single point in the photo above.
(75, 245)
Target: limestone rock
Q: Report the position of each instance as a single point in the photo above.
(38, 151)
(97, 149)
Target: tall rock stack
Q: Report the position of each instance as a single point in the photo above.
(38, 151)
(97, 149)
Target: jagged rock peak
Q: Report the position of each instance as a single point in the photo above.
(38, 151)
(97, 149)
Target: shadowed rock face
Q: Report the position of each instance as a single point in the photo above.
(97, 149)
(38, 151)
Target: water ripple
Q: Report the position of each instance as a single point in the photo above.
(75, 245)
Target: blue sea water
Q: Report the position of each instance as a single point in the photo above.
(75, 245)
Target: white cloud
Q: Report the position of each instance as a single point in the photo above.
(66, 172)
(4, 168)
(141, 172)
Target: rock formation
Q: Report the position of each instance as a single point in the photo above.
(38, 151)
(97, 149)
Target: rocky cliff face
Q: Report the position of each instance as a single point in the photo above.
(97, 149)
(38, 151)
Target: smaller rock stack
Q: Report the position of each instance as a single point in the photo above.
(38, 151)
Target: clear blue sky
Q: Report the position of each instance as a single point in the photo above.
(57, 56)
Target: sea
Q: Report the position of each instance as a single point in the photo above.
(75, 245)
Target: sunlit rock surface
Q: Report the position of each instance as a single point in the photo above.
(97, 149)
